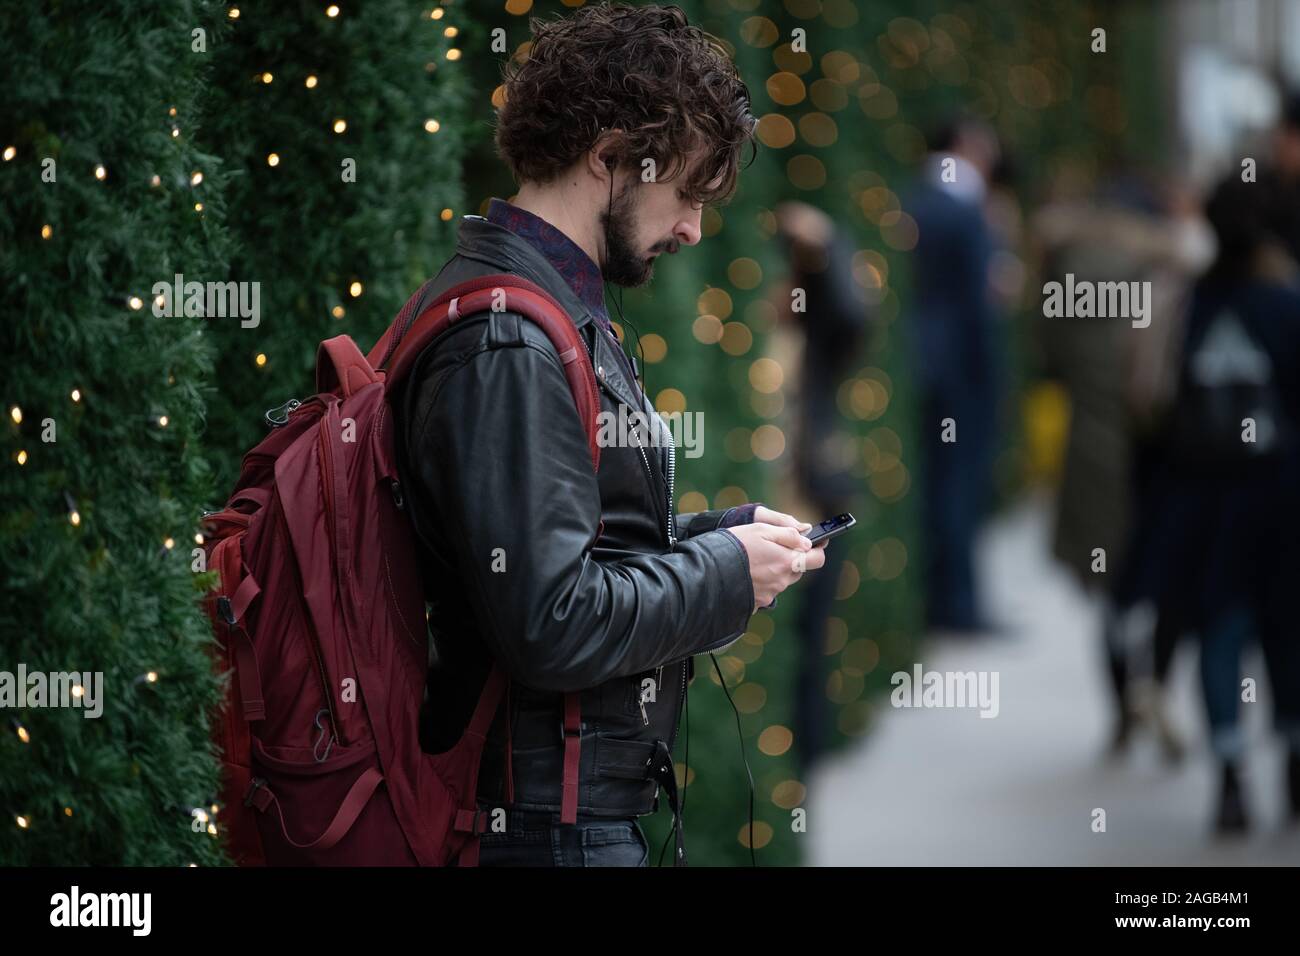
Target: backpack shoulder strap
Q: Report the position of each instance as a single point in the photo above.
(398, 349)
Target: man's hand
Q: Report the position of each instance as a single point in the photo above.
(766, 515)
(778, 554)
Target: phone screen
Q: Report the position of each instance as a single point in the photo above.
(831, 527)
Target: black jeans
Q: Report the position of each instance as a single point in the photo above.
(539, 839)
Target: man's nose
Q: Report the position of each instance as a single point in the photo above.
(688, 231)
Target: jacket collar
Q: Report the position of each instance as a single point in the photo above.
(500, 248)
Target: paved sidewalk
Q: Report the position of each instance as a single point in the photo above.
(947, 787)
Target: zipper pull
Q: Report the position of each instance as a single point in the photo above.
(645, 696)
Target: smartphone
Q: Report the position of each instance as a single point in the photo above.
(831, 528)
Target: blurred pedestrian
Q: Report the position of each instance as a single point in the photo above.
(954, 365)
(832, 314)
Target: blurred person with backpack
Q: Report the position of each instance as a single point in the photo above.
(1231, 550)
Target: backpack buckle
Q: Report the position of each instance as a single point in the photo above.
(275, 417)
(225, 610)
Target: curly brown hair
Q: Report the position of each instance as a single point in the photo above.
(669, 87)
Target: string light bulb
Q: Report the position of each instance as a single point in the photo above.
(16, 414)
(273, 159)
(261, 359)
(436, 14)
(310, 82)
(332, 10)
(155, 180)
(22, 822)
(337, 311)
(20, 730)
(431, 126)
(355, 289)
(340, 125)
(198, 539)
(46, 231)
(76, 394)
(135, 302)
(267, 77)
(21, 457)
(100, 172)
(196, 177)
(453, 54)
(162, 421)
(233, 13)
(10, 153)
(169, 543)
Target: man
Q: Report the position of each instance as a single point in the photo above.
(502, 490)
(955, 364)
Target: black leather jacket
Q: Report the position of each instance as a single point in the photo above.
(500, 487)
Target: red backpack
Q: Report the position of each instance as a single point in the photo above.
(319, 614)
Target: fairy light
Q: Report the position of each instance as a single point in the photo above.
(176, 131)
(21, 457)
(261, 358)
(453, 54)
(172, 111)
(78, 691)
(160, 301)
(436, 14)
(46, 231)
(198, 207)
(310, 82)
(198, 539)
(267, 77)
(75, 518)
(337, 311)
(151, 677)
(155, 180)
(10, 153)
(196, 177)
(135, 302)
(22, 822)
(355, 289)
(273, 159)
(233, 13)
(450, 32)
(20, 730)
(16, 414)
(169, 543)
(445, 215)
(431, 126)
(67, 811)
(100, 172)
(340, 125)
(76, 394)
(332, 10)
(162, 421)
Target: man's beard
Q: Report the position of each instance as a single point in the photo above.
(624, 264)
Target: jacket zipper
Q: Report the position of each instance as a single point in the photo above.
(672, 543)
